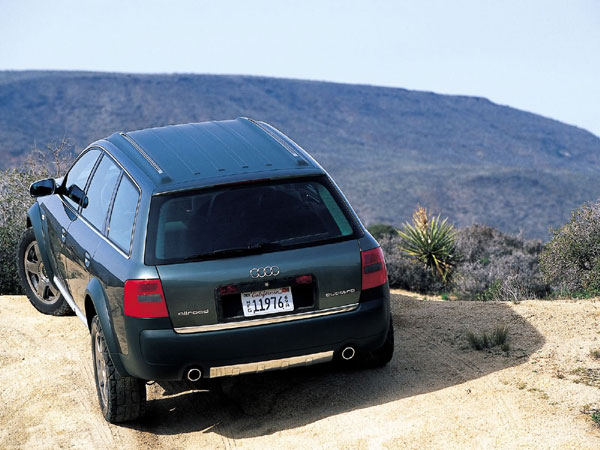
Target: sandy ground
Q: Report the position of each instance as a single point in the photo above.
(437, 392)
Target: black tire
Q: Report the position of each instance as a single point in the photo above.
(121, 399)
(40, 292)
(383, 355)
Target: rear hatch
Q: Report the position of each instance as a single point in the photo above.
(254, 251)
(208, 292)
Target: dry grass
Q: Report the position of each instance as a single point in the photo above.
(497, 338)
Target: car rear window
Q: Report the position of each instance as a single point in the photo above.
(244, 219)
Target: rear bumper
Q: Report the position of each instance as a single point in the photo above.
(163, 354)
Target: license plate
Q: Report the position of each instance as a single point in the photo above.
(269, 301)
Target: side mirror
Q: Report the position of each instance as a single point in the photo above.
(76, 194)
(42, 188)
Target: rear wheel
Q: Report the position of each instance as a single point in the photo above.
(121, 398)
(34, 278)
(383, 355)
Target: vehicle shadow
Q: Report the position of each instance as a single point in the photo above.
(431, 353)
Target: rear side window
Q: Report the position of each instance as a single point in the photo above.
(122, 218)
(242, 219)
(100, 192)
(80, 172)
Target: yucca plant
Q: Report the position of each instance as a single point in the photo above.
(432, 241)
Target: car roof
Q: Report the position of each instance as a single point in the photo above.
(209, 153)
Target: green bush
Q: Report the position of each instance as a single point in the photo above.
(381, 230)
(15, 201)
(431, 241)
(492, 292)
(570, 262)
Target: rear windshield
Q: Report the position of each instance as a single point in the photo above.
(245, 219)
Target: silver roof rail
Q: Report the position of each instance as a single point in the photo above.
(269, 130)
(142, 152)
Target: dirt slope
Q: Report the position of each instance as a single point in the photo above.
(436, 393)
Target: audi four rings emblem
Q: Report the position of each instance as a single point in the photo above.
(261, 272)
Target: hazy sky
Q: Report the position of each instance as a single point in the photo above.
(541, 56)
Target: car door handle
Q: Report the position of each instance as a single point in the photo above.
(63, 236)
(87, 259)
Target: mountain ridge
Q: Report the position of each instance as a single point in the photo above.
(389, 148)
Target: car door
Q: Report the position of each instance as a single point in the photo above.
(112, 263)
(60, 211)
(85, 234)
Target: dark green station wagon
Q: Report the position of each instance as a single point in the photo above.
(201, 251)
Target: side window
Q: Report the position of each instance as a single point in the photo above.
(80, 172)
(100, 192)
(120, 228)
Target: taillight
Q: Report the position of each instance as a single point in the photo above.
(227, 290)
(374, 272)
(145, 298)
(304, 279)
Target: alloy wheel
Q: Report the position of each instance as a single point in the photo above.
(101, 369)
(37, 278)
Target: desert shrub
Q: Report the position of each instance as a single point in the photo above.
(593, 413)
(381, 230)
(15, 201)
(496, 338)
(489, 266)
(570, 262)
(431, 241)
(406, 272)
(497, 266)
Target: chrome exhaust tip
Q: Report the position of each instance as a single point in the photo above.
(348, 353)
(194, 374)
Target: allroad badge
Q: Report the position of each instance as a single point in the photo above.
(261, 272)
(192, 313)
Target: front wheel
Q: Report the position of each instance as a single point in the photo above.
(34, 278)
(121, 398)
